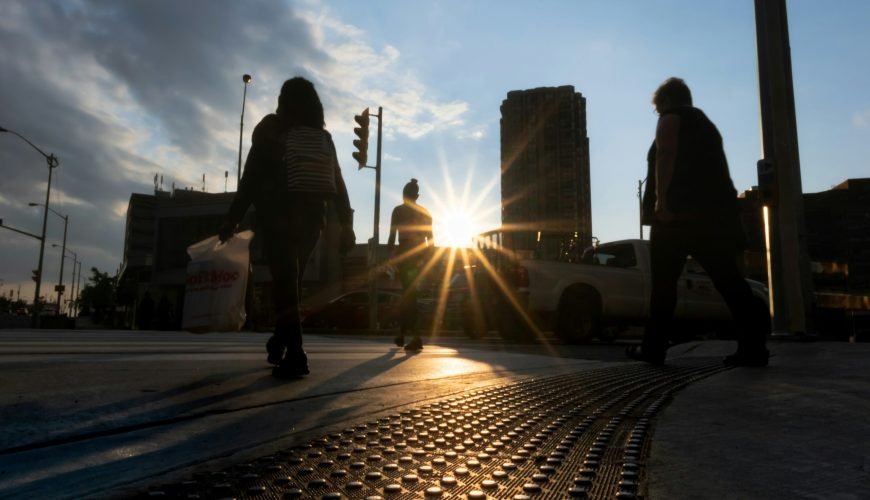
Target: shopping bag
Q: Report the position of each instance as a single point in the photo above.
(217, 278)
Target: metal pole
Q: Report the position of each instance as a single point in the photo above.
(36, 305)
(640, 206)
(62, 258)
(75, 267)
(78, 289)
(72, 286)
(788, 267)
(52, 163)
(246, 79)
(373, 285)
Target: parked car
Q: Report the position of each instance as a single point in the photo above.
(350, 310)
(610, 286)
(480, 299)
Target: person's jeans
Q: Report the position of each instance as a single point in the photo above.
(288, 242)
(408, 272)
(670, 245)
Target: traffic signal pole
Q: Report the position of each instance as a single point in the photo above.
(361, 156)
(376, 239)
(779, 175)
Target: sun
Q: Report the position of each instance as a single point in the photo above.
(461, 212)
(455, 228)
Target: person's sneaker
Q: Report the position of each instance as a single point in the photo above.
(399, 340)
(739, 358)
(275, 348)
(416, 344)
(637, 353)
(292, 366)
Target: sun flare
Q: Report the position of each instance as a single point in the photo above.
(460, 213)
(456, 228)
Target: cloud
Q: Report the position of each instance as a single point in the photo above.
(861, 119)
(356, 75)
(121, 91)
(473, 134)
(387, 157)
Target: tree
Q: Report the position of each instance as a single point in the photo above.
(10, 305)
(98, 295)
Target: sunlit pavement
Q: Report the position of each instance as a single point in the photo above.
(128, 413)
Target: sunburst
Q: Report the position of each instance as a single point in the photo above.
(457, 220)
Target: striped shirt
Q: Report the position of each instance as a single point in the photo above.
(309, 161)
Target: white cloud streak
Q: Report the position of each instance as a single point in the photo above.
(121, 91)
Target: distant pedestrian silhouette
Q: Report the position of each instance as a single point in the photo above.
(291, 172)
(694, 212)
(413, 224)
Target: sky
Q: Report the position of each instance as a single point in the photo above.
(121, 90)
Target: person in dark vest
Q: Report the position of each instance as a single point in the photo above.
(413, 224)
(291, 173)
(691, 205)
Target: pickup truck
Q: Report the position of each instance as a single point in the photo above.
(610, 286)
(607, 289)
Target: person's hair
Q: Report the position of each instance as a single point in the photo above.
(675, 91)
(299, 104)
(411, 190)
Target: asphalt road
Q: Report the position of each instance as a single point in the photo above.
(91, 413)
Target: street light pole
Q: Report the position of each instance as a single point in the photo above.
(75, 259)
(78, 289)
(52, 163)
(247, 79)
(640, 204)
(63, 252)
(60, 288)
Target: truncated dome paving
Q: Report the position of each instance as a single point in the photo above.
(582, 435)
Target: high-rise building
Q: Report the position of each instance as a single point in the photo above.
(545, 189)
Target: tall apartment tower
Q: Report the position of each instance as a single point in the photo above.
(545, 192)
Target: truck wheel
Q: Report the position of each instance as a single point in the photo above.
(579, 317)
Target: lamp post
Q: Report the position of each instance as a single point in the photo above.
(78, 290)
(640, 184)
(76, 263)
(247, 79)
(65, 218)
(52, 163)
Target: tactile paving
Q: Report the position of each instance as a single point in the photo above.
(582, 435)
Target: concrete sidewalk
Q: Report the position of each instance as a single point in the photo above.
(87, 413)
(799, 428)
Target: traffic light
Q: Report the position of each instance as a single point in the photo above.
(362, 144)
(36, 275)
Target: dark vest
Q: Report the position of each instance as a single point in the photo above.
(701, 181)
(701, 188)
(701, 184)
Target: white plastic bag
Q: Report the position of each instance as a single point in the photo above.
(217, 277)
